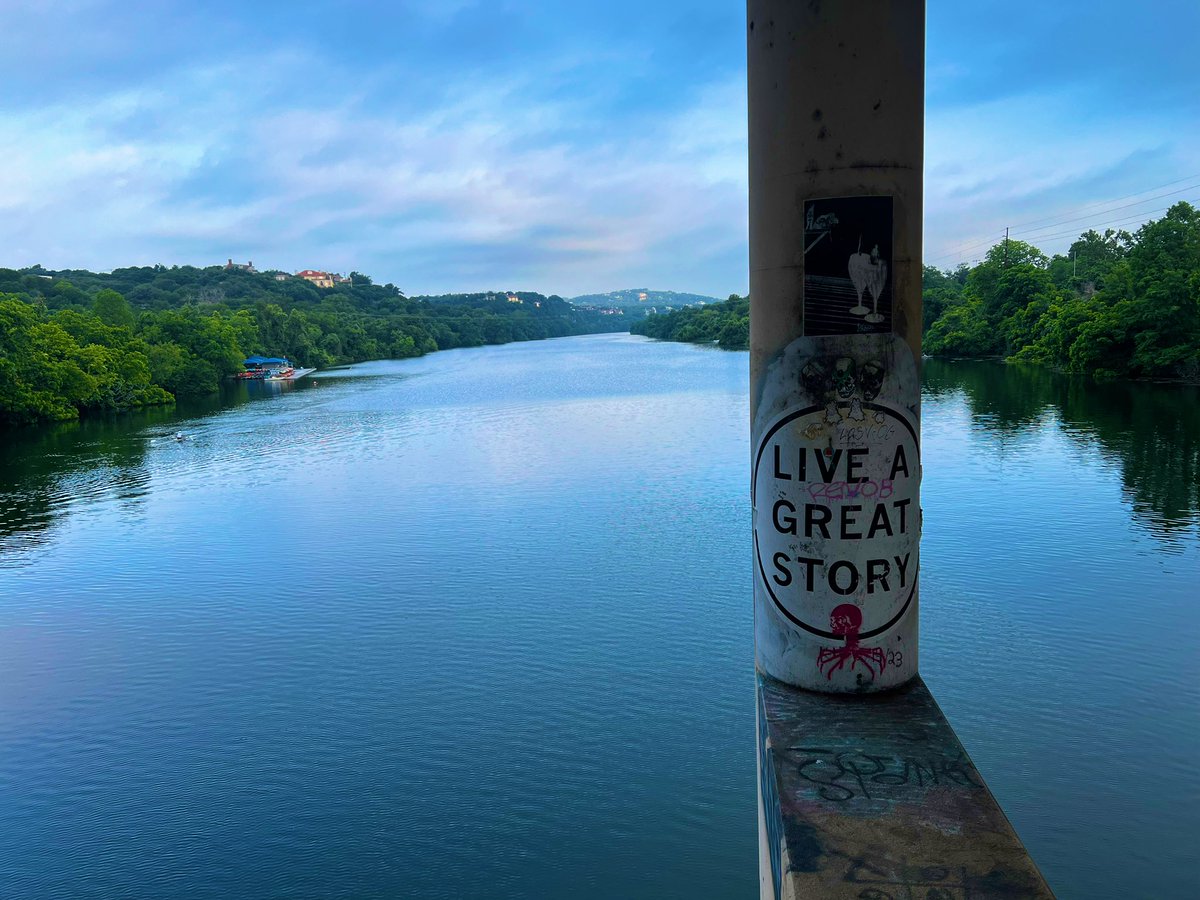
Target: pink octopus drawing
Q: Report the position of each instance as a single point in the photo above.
(845, 621)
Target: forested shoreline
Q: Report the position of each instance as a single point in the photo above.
(1115, 305)
(71, 342)
(75, 342)
(726, 324)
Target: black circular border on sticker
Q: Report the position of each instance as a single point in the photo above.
(791, 417)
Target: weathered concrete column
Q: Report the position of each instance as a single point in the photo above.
(868, 796)
(836, 102)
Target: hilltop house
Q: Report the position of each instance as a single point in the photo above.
(245, 267)
(318, 279)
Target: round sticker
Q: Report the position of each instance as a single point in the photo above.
(835, 490)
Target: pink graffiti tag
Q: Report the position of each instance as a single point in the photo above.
(846, 620)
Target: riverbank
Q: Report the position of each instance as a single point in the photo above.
(1116, 305)
(65, 351)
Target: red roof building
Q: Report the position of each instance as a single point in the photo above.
(314, 277)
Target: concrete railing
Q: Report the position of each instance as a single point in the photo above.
(874, 798)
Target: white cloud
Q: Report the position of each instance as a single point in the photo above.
(497, 183)
(493, 186)
(1039, 158)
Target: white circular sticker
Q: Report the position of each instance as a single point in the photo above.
(836, 516)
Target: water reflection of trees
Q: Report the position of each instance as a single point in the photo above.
(1152, 430)
(48, 471)
(45, 471)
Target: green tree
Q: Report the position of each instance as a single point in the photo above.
(726, 323)
(64, 295)
(113, 309)
(46, 373)
(962, 330)
(1117, 304)
(938, 291)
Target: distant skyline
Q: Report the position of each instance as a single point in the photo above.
(569, 148)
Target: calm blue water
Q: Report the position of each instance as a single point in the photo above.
(479, 625)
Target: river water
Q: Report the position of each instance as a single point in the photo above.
(479, 625)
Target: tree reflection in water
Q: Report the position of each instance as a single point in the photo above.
(1152, 431)
(49, 471)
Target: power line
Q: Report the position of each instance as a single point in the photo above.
(1190, 187)
(1114, 200)
(1071, 232)
(1134, 218)
(1055, 220)
(967, 248)
(964, 250)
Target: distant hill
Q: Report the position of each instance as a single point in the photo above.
(643, 298)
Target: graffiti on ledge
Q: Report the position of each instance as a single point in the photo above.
(842, 775)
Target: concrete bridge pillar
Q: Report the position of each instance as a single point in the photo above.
(872, 795)
(836, 106)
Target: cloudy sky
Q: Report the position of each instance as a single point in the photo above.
(549, 145)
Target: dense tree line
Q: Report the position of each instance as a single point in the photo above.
(1116, 304)
(726, 324)
(78, 341)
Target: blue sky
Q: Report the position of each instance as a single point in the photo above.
(564, 147)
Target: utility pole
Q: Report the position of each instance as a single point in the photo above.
(1006, 246)
(836, 127)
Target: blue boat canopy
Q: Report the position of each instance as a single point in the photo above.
(264, 361)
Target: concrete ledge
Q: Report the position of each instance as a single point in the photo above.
(874, 798)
